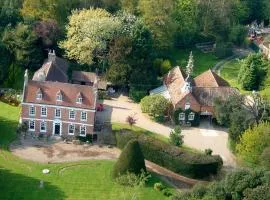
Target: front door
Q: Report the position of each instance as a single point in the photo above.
(57, 129)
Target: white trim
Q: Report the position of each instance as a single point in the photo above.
(30, 107)
(49, 120)
(55, 106)
(85, 116)
(191, 116)
(31, 120)
(84, 135)
(182, 116)
(60, 124)
(41, 111)
(45, 125)
(69, 129)
(74, 114)
(56, 109)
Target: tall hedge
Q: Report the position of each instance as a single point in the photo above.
(131, 160)
(193, 165)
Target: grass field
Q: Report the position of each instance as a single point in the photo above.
(20, 179)
(202, 61)
(230, 73)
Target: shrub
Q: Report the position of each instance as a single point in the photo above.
(171, 157)
(165, 67)
(131, 120)
(85, 139)
(258, 193)
(131, 160)
(137, 94)
(159, 186)
(154, 105)
(166, 192)
(265, 158)
(208, 151)
(176, 138)
(132, 180)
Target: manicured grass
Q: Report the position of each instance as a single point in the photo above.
(136, 129)
(202, 61)
(20, 179)
(230, 73)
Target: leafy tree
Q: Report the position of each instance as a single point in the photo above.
(185, 15)
(238, 34)
(176, 138)
(131, 160)
(161, 25)
(258, 193)
(253, 142)
(130, 6)
(165, 67)
(22, 42)
(131, 120)
(4, 62)
(118, 74)
(49, 32)
(265, 158)
(88, 32)
(9, 12)
(154, 105)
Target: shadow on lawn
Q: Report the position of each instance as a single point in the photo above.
(17, 186)
(7, 131)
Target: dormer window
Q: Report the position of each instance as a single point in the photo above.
(39, 94)
(79, 98)
(59, 96)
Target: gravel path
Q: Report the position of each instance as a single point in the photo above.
(201, 138)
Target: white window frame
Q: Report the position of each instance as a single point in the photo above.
(70, 115)
(45, 125)
(56, 112)
(59, 96)
(34, 110)
(39, 96)
(69, 133)
(79, 100)
(29, 125)
(81, 131)
(82, 112)
(41, 111)
(182, 116)
(191, 116)
(187, 106)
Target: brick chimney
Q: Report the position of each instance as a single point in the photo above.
(51, 56)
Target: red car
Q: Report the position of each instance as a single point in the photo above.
(100, 107)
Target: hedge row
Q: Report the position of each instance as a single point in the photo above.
(180, 161)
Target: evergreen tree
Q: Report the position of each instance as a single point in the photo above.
(190, 65)
(249, 81)
(131, 160)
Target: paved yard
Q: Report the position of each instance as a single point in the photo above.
(117, 109)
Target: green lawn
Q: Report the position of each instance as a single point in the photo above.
(202, 61)
(19, 179)
(230, 73)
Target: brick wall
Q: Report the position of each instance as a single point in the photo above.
(65, 121)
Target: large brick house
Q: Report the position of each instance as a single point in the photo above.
(54, 107)
(196, 94)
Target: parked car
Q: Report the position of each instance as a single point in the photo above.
(100, 107)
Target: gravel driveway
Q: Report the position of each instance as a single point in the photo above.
(201, 138)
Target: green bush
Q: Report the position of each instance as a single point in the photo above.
(165, 67)
(208, 151)
(176, 138)
(137, 94)
(131, 160)
(154, 105)
(166, 192)
(132, 180)
(159, 186)
(171, 157)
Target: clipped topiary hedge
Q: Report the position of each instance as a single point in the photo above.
(176, 159)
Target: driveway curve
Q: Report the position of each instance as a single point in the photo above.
(201, 138)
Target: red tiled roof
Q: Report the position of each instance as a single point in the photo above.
(69, 91)
(210, 79)
(174, 81)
